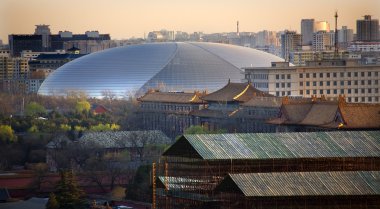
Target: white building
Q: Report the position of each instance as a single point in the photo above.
(359, 83)
(323, 41)
(359, 46)
(307, 30)
(345, 37)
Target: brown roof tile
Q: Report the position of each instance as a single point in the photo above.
(361, 115)
(241, 92)
(263, 102)
(171, 97)
(321, 113)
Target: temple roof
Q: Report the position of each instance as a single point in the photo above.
(330, 115)
(241, 92)
(170, 97)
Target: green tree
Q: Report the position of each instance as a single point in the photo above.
(7, 134)
(34, 109)
(52, 202)
(69, 196)
(82, 106)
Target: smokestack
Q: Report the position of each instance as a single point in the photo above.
(336, 52)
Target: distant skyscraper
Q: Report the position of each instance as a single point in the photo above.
(322, 26)
(367, 29)
(307, 30)
(290, 41)
(44, 31)
(323, 41)
(345, 36)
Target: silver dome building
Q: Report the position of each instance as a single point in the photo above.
(133, 70)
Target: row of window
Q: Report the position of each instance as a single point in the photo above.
(260, 85)
(342, 83)
(340, 91)
(166, 107)
(288, 76)
(335, 75)
(349, 99)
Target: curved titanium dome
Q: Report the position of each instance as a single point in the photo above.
(132, 70)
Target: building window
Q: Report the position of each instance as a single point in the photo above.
(356, 99)
(301, 75)
(335, 91)
(321, 92)
(314, 75)
(342, 91)
(362, 74)
(308, 92)
(328, 75)
(321, 75)
(356, 74)
(320, 83)
(362, 82)
(349, 74)
(277, 76)
(342, 83)
(289, 93)
(277, 93)
(334, 75)
(277, 85)
(355, 82)
(376, 82)
(335, 83)
(282, 76)
(283, 85)
(301, 92)
(307, 75)
(288, 85)
(369, 82)
(328, 91)
(349, 83)
(349, 91)
(349, 99)
(363, 91)
(314, 83)
(356, 91)
(307, 83)
(327, 83)
(283, 93)
(369, 74)
(314, 92)
(301, 83)
(342, 74)
(369, 99)
(363, 99)
(376, 73)
(288, 76)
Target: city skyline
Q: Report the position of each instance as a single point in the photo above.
(126, 19)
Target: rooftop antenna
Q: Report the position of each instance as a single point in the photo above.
(237, 27)
(336, 52)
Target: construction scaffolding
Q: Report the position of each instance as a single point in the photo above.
(191, 169)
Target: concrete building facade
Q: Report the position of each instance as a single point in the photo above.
(360, 83)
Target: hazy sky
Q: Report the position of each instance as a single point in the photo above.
(128, 18)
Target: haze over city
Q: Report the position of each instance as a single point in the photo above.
(125, 19)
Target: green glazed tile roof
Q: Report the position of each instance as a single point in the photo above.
(278, 145)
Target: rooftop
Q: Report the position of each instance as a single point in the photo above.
(170, 97)
(296, 184)
(257, 146)
(241, 92)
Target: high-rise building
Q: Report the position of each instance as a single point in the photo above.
(367, 29)
(345, 37)
(321, 26)
(307, 30)
(323, 41)
(290, 41)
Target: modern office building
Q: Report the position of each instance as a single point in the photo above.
(133, 70)
(323, 41)
(359, 83)
(367, 29)
(322, 26)
(345, 37)
(43, 41)
(290, 41)
(307, 30)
